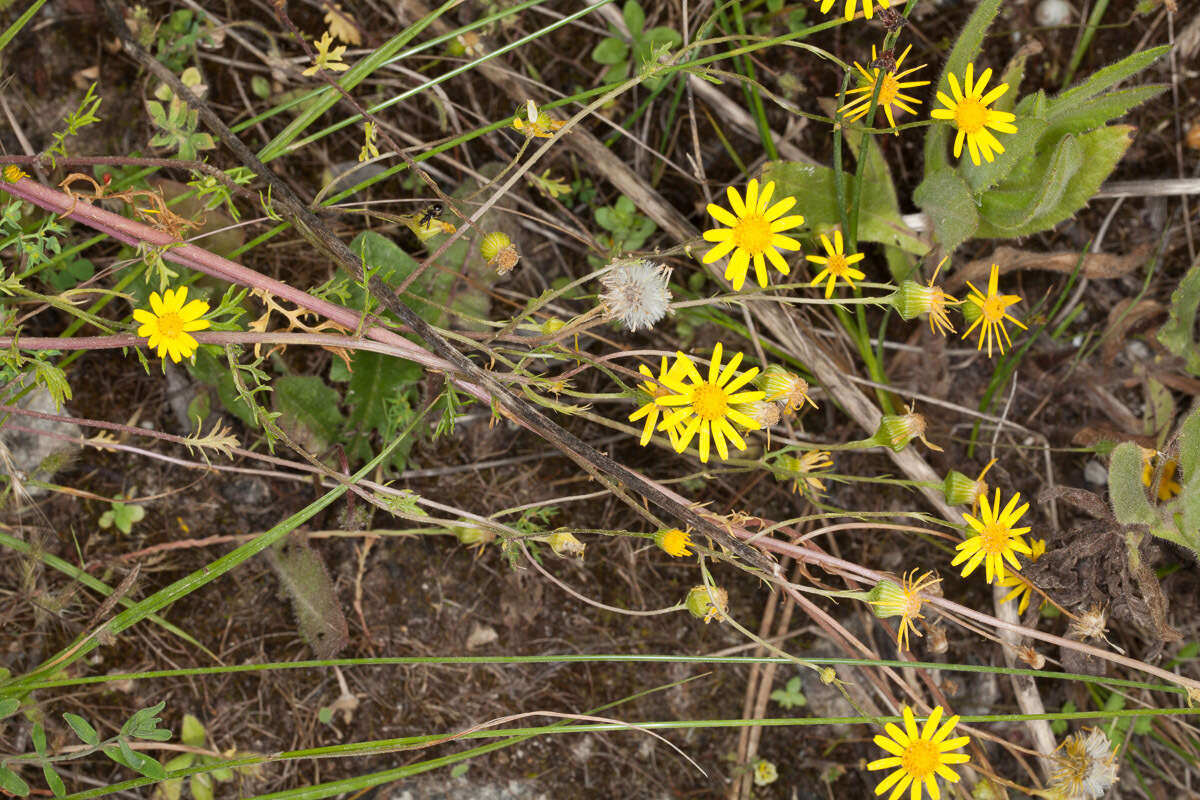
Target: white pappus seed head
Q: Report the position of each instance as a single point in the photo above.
(636, 293)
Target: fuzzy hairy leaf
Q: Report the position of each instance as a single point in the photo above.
(945, 197)
(1176, 334)
(1189, 447)
(1125, 489)
(1109, 76)
(379, 388)
(1090, 114)
(303, 576)
(308, 411)
(1093, 155)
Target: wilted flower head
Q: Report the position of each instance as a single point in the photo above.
(1084, 767)
(784, 387)
(499, 252)
(763, 412)
(636, 292)
(804, 471)
(1090, 624)
(707, 602)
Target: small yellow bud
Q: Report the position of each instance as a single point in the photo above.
(673, 542)
(13, 173)
(474, 535)
(565, 545)
(828, 675)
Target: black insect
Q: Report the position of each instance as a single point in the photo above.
(431, 213)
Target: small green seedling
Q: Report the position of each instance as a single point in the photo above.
(123, 515)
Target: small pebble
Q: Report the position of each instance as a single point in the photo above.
(1053, 13)
(1095, 473)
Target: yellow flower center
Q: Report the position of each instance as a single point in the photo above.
(993, 308)
(994, 538)
(889, 90)
(837, 265)
(911, 606)
(710, 402)
(920, 759)
(170, 326)
(970, 115)
(752, 234)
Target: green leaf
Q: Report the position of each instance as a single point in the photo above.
(54, 781)
(656, 38)
(308, 411)
(303, 576)
(170, 789)
(944, 196)
(1176, 332)
(192, 733)
(325, 715)
(83, 729)
(1125, 489)
(1189, 447)
(460, 769)
(790, 696)
(201, 786)
(181, 761)
(610, 50)
(1095, 156)
(1015, 208)
(215, 373)
(1110, 76)
(966, 48)
(11, 782)
(813, 186)
(378, 383)
(39, 739)
(9, 706)
(1090, 114)
(635, 18)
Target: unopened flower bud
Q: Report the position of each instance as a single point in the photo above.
(784, 387)
(828, 675)
(962, 490)
(707, 602)
(474, 535)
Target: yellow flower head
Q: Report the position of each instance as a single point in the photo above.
(326, 58)
(837, 264)
(1168, 487)
(169, 323)
(707, 406)
(804, 471)
(674, 542)
(754, 231)
(993, 310)
(1020, 585)
(903, 600)
(13, 173)
(997, 540)
(890, 92)
(652, 409)
(852, 7)
(919, 757)
(970, 114)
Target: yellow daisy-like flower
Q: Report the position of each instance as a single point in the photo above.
(754, 231)
(652, 409)
(902, 600)
(837, 264)
(993, 310)
(13, 173)
(707, 406)
(919, 757)
(970, 114)
(1168, 487)
(674, 542)
(890, 92)
(852, 7)
(1020, 585)
(998, 541)
(169, 323)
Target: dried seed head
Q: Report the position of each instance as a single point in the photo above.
(1085, 767)
(499, 252)
(1091, 624)
(636, 293)
(892, 19)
